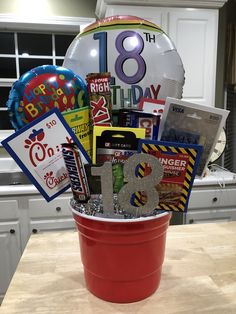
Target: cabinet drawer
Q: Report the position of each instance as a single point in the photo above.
(50, 225)
(212, 199)
(56, 208)
(9, 209)
(207, 216)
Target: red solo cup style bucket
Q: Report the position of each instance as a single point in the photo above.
(122, 258)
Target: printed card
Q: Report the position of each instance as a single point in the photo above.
(180, 162)
(189, 123)
(36, 148)
(80, 123)
(153, 106)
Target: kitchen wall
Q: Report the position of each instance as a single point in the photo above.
(81, 8)
(231, 11)
(230, 153)
(227, 14)
(219, 92)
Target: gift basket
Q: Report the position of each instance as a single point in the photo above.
(110, 124)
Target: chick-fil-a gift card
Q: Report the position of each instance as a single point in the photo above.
(36, 148)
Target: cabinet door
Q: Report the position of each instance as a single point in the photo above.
(153, 14)
(10, 253)
(194, 33)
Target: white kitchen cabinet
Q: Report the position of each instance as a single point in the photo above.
(43, 225)
(155, 15)
(213, 198)
(10, 242)
(38, 215)
(10, 253)
(21, 215)
(211, 204)
(195, 36)
(194, 32)
(49, 216)
(213, 215)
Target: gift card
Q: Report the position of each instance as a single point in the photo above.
(153, 106)
(36, 148)
(190, 123)
(179, 162)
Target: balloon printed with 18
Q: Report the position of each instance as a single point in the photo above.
(141, 58)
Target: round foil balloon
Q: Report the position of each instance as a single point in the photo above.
(43, 88)
(142, 59)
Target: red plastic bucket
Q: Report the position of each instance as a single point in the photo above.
(122, 258)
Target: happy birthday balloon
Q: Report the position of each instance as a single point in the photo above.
(43, 88)
(142, 59)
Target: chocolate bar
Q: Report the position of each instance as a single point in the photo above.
(77, 175)
(100, 98)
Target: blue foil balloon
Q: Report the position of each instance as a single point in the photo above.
(43, 88)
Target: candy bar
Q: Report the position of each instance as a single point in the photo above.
(77, 175)
(100, 98)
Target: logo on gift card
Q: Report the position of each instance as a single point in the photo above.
(37, 149)
(51, 180)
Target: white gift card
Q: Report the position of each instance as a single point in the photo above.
(190, 123)
(37, 150)
(153, 106)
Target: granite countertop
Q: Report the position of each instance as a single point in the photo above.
(219, 178)
(199, 276)
(27, 189)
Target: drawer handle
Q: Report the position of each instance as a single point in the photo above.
(12, 231)
(34, 230)
(58, 209)
(215, 199)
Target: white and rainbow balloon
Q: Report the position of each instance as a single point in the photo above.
(141, 58)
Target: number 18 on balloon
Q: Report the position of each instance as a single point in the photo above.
(141, 58)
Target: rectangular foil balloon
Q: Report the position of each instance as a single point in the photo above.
(180, 162)
(36, 148)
